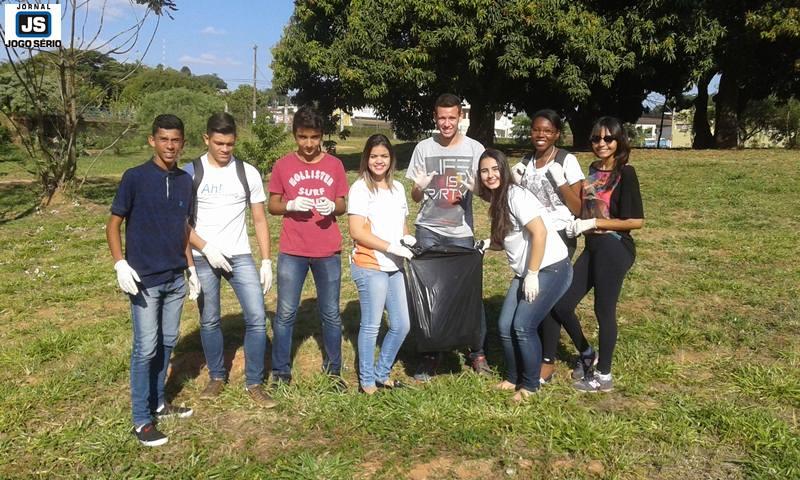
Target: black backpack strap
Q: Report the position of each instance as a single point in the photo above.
(243, 179)
(197, 179)
(561, 154)
(527, 159)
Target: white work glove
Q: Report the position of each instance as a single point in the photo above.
(578, 226)
(300, 204)
(518, 171)
(557, 171)
(215, 257)
(325, 206)
(468, 180)
(400, 251)
(409, 240)
(423, 179)
(483, 245)
(266, 274)
(127, 277)
(194, 283)
(531, 285)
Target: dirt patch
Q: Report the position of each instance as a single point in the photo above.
(448, 467)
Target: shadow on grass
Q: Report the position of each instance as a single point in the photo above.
(17, 200)
(99, 190)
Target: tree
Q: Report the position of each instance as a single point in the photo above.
(756, 55)
(521, 128)
(191, 106)
(270, 142)
(55, 150)
(582, 58)
(149, 80)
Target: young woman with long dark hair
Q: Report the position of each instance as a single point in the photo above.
(377, 212)
(611, 208)
(554, 176)
(538, 258)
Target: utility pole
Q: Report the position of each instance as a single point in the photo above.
(255, 49)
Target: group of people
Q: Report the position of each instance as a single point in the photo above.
(186, 230)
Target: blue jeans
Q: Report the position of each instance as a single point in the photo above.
(156, 315)
(246, 284)
(428, 238)
(292, 272)
(519, 322)
(377, 289)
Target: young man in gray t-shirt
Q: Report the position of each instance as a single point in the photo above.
(443, 169)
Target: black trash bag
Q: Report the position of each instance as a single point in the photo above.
(445, 295)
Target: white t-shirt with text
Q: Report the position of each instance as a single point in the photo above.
(221, 206)
(446, 206)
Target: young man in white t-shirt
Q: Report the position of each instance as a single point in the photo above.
(443, 169)
(222, 250)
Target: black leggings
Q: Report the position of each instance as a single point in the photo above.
(602, 265)
(550, 329)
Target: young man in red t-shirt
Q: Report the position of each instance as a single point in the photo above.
(307, 187)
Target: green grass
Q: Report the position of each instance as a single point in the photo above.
(707, 368)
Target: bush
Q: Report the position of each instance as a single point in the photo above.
(192, 107)
(269, 143)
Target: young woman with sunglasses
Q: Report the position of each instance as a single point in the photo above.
(542, 271)
(554, 176)
(611, 208)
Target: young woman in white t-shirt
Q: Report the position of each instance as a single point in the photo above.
(542, 272)
(554, 176)
(377, 211)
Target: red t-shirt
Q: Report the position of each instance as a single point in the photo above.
(309, 234)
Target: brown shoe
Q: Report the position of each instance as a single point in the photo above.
(260, 397)
(213, 389)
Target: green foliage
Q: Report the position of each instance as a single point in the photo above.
(150, 80)
(582, 58)
(191, 106)
(270, 142)
(521, 129)
(240, 103)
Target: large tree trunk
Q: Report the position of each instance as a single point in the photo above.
(726, 125)
(703, 138)
(580, 122)
(481, 122)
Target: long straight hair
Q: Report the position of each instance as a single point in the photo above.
(614, 128)
(499, 210)
(373, 141)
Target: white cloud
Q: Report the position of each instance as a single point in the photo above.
(208, 59)
(212, 31)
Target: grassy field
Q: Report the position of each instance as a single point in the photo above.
(707, 369)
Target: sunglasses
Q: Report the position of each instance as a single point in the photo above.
(597, 138)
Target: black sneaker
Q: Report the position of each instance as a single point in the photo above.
(427, 368)
(149, 436)
(171, 411)
(584, 368)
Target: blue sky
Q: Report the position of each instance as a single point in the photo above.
(206, 36)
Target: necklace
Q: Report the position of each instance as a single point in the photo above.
(549, 157)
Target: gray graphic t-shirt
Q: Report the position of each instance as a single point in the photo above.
(447, 204)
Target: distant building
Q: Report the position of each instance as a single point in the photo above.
(652, 130)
